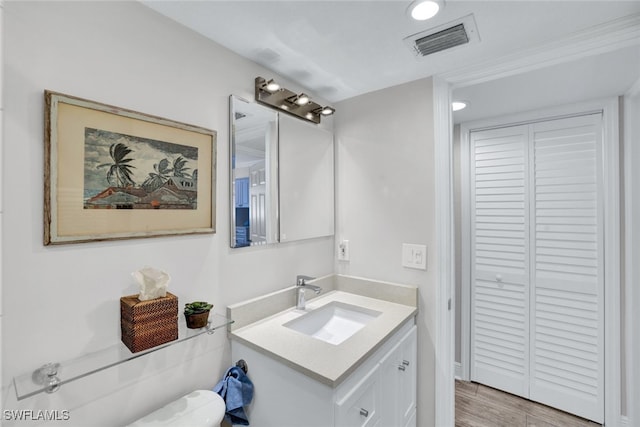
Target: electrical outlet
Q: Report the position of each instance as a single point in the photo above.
(414, 256)
(343, 250)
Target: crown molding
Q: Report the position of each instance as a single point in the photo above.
(634, 90)
(607, 37)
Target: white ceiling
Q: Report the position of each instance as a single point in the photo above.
(340, 49)
(599, 76)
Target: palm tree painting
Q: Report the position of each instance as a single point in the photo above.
(130, 172)
(179, 167)
(119, 166)
(158, 177)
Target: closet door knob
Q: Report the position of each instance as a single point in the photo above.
(405, 362)
(402, 367)
(364, 412)
(498, 277)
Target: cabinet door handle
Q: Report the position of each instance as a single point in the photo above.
(364, 412)
(402, 367)
(405, 362)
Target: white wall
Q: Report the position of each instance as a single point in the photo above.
(386, 197)
(60, 302)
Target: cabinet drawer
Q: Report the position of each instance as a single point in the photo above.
(360, 407)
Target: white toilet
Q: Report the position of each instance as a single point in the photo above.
(201, 408)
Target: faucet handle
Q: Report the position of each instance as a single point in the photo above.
(301, 279)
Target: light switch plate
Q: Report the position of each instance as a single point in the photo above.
(414, 256)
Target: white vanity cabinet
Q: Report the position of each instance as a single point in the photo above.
(398, 383)
(361, 406)
(408, 399)
(380, 392)
(386, 396)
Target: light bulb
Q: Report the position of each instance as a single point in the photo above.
(458, 105)
(272, 86)
(423, 10)
(327, 111)
(302, 99)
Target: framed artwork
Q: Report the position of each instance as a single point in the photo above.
(112, 173)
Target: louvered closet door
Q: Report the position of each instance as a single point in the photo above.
(567, 369)
(537, 282)
(499, 254)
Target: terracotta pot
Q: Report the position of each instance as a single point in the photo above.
(198, 320)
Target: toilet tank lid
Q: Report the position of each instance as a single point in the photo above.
(198, 408)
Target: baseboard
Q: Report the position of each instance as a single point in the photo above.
(458, 370)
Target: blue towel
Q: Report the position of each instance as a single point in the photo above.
(237, 391)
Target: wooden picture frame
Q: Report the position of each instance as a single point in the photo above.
(112, 173)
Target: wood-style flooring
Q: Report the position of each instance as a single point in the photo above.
(481, 406)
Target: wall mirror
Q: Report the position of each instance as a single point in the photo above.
(254, 183)
(282, 177)
(306, 180)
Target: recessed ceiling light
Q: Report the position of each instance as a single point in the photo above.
(458, 105)
(421, 10)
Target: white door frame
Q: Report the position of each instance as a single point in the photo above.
(596, 40)
(611, 223)
(632, 248)
(445, 291)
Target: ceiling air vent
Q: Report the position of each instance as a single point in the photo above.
(457, 33)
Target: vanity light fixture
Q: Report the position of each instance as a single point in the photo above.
(458, 105)
(421, 10)
(270, 93)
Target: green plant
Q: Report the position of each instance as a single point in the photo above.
(197, 307)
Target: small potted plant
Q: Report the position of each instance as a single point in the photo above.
(197, 314)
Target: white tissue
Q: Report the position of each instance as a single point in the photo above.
(153, 283)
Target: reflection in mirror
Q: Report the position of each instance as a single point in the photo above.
(254, 192)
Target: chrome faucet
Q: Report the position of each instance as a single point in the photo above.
(301, 285)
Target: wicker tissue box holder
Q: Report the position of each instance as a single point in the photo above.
(147, 324)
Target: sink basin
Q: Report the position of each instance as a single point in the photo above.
(334, 322)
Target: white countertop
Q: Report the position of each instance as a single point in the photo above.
(327, 363)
